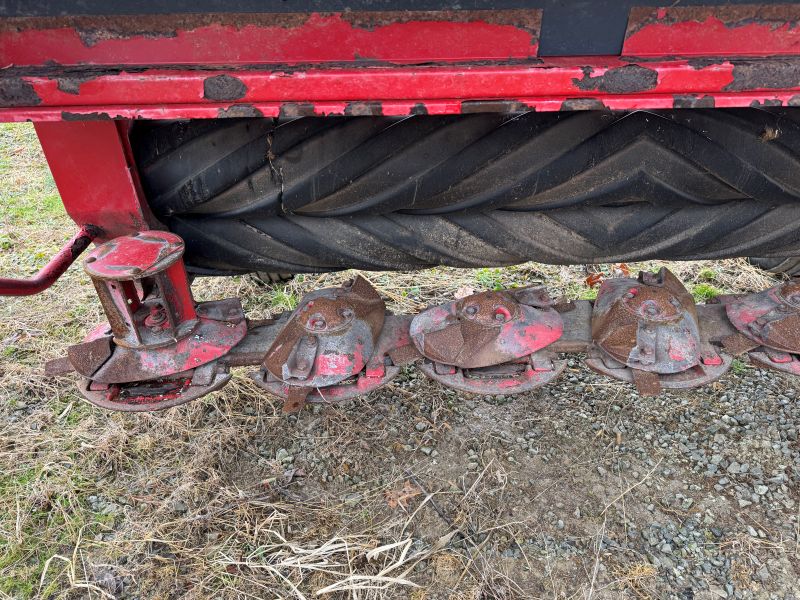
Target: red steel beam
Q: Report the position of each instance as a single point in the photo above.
(392, 63)
(743, 30)
(553, 84)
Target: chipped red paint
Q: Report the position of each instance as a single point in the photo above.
(488, 328)
(290, 39)
(748, 30)
(361, 386)
(493, 380)
(771, 317)
(340, 364)
(785, 363)
(554, 84)
(329, 337)
(158, 394)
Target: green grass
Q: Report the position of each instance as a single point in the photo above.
(282, 298)
(28, 192)
(707, 275)
(703, 292)
(490, 279)
(738, 367)
(48, 514)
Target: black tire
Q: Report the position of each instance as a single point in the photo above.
(780, 266)
(320, 194)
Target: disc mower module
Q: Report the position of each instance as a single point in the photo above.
(160, 348)
(373, 135)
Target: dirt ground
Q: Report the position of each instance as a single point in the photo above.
(578, 490)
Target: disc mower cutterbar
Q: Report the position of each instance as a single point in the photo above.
(160, 348)
(336, 345)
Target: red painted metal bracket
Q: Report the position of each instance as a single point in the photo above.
(54, 269)
(94, 171)
(372, 37)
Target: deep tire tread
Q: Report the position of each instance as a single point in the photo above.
(320, 194)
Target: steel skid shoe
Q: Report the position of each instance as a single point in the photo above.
(336, 345)
(645, 331)
(159, 348)
(768, 325)
(491, 342)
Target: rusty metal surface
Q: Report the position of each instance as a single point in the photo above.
(648, 324)
(776, 360)
(157, 394)
(513, 377)
(210, 340)
(611, 83)
(340, 343)
(349, 37)
(329, 337)
(359, 385)
(488, 328)
(770, 318)
(749, 29)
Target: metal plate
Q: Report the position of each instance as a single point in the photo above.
(329, 337)
(211, 340)
(157, 394)
(649, 324)
(693, 377)
(514, 377)
(360, 385)
(771, 317)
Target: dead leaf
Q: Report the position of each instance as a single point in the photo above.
(624, 269)
(463, 292)
(594, 279)
(400, 497)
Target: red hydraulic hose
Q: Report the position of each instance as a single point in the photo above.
(52, 270)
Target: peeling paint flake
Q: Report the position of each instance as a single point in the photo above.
(15, 91)
(620, 80)
(764, 76)
(223, 88)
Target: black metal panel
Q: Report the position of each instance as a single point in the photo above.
(569, 28)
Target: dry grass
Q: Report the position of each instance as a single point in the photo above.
(191, 502)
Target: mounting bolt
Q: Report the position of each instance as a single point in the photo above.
(317, 322)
